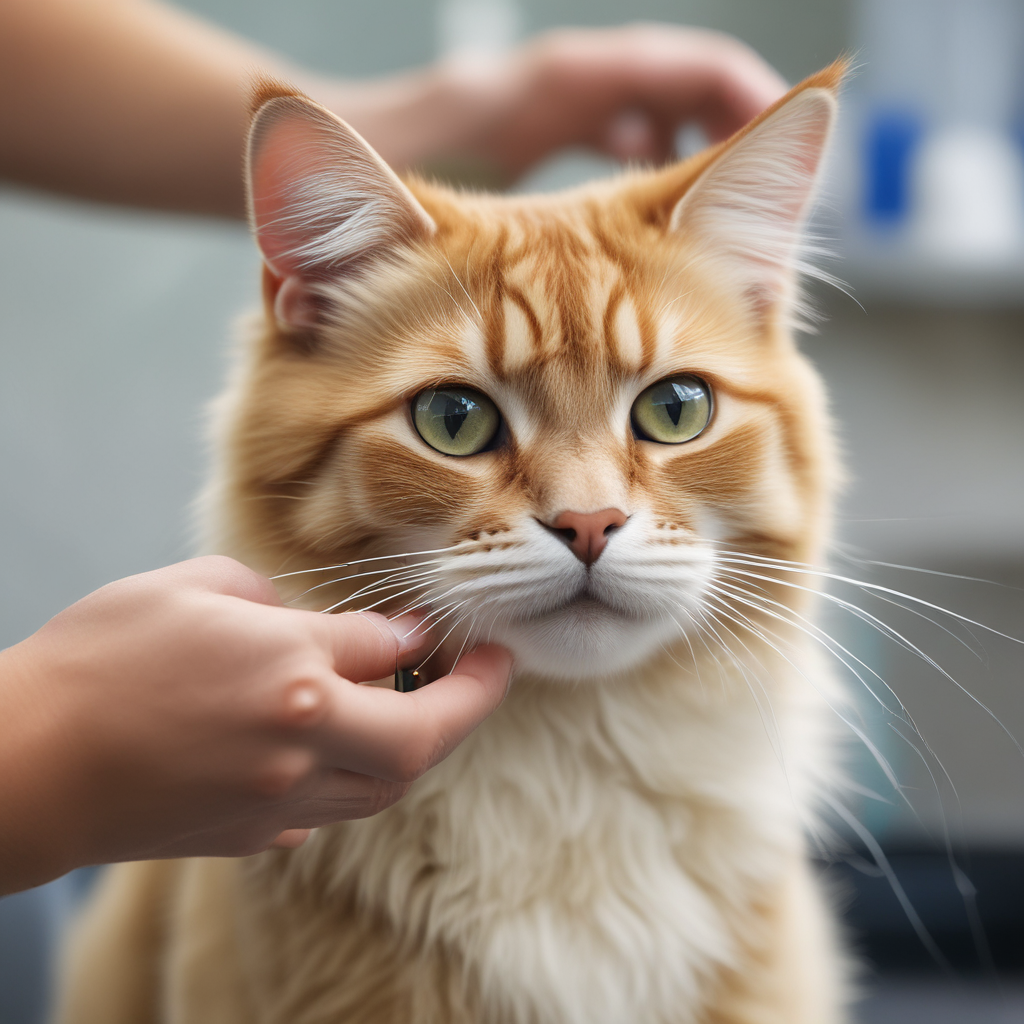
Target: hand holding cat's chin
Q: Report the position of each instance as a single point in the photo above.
(184, 712)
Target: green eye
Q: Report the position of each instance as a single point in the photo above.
(455, 421)
(673, 410)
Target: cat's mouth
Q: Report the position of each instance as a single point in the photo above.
(584, 636)
(586, 606)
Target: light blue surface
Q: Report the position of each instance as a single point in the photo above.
(908, 1001)
(30, 928)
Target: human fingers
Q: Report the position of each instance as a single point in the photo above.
(628, 89)
(729, 81)
(398, 736)
(323, 797)
(688, 73)
(335, 794)
(320, 797)
(365, 645)
(721, 86)
(291, 838)
(220, 575)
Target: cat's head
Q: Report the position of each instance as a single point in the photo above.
(560, 410)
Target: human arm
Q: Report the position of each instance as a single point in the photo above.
(126, 101)
(184, 712)
(135, 102)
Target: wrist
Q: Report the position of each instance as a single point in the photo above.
(42, 805)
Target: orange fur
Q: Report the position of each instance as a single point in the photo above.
(654, 791)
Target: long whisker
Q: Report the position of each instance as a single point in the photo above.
(814, 632)
(967, 890)
(362, 561)
(882, 761)
(897, 637)
(396, 579)
(430, 600)
(774, 734)
(388, 574)
(876, 851)
(929, 572)
(462, 649)
(898, 602)
(392, 597)
(795, 567)
(946, 836)
(879, 757)
(457, 608)
(380, 589)
(703, 634)
(762, 603)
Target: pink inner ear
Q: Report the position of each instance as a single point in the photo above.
(321, 202)
(285, 159)
(748, 208)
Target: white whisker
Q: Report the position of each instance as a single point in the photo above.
(888, 631)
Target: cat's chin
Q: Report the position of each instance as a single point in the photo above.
(582, 640)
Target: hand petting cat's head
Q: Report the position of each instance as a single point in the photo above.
(541, 420)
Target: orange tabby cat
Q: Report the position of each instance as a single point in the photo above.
(576, 425)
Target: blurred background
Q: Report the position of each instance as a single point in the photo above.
(115, 328)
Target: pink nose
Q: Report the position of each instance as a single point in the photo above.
(586, 533)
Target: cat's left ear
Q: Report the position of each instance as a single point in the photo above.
(322, 203)
(748, 207)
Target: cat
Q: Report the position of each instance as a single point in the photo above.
(576, 425)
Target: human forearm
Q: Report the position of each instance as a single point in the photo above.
(39, 831)
(133, 102)
(126, 101)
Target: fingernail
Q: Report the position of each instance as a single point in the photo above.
(407, 629)
(511, 663)
(291, 838)
(508, 682)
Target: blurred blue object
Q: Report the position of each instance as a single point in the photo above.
(30, 928)
(892, 136)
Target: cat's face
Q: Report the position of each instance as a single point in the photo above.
(559, 409)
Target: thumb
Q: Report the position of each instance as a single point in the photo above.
(461, 700)
(365, 645)
(398, 736)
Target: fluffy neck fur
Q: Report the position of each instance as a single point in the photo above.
(591, 853)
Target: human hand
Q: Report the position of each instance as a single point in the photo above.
(623, 92)
(184, 712)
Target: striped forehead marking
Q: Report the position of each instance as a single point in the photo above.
(523, 332)
(524, 337)
(472, 345)
(537, 313)
(629, 345)
(556, 291)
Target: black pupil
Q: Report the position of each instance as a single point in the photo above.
(673, 395)
(674, 405)
(455, 412)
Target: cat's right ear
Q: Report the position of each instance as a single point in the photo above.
(321, 203)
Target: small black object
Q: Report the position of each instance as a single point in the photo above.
(408, 679)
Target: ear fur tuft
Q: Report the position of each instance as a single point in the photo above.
(265, 88)
(321, 201)
(745, 202)
(750, 206)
